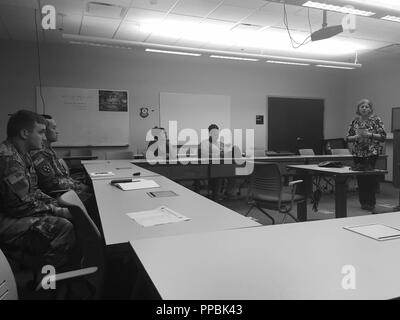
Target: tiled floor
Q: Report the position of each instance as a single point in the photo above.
(387, 199)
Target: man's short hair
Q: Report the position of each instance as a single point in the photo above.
(47, 117)
(212, 127)
(23, 119)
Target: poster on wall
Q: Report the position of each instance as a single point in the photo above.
(115, 101)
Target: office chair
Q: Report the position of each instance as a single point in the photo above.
(318, 180)
(306, 152)
(89, 238)
(266, 191)
(119, 155)
(8, 286)
(341, 151)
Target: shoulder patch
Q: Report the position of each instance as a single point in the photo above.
(5, 151)
(38, 161)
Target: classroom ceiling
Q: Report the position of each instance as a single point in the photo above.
(237, 26)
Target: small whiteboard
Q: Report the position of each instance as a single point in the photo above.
(378, 232)
(195, 111)
(87, 117)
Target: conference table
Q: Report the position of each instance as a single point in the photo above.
(314, 260)
(205, 215)
(181, 168)
(340, 176)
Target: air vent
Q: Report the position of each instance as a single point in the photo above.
(105, 10)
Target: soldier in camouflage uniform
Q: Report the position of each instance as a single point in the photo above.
(31, 223)
(52, 175)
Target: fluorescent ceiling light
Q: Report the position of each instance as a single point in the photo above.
(330, 7)
(175, 52)
(233, 58)
(96, 44)
(388, 4)
(391, 18)
(287, 62)
(268, 39)
(334, 67)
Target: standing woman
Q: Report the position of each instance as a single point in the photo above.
(366, 132)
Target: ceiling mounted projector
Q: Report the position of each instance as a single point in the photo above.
(326, 32)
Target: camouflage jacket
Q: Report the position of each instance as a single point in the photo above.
(51, 173)
(19, 192)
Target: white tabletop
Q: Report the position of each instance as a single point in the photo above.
(292, 261)
(206, 215)
(120, 169)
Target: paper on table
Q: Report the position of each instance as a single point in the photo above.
(138, 184)
(378, 232)
(102, 174)
(157, 216)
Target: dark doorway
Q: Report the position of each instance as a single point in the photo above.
(295, 124)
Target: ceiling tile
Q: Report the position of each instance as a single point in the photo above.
(198, 8)
(70, 23)
(130, 31)
(251, 4)
(160, 5)
(75, 7)
(190, 43)
(160, 39)
(99, 27)
(33, 4)
(143, 15)
(230, 13)
(122, 3)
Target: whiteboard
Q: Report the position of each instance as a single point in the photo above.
(195, 111)
(87, 117)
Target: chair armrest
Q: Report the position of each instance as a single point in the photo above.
(292, 183)
(58, 192)
(66, 275)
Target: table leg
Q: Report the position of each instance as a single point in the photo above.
(304, 190)
(340, 197)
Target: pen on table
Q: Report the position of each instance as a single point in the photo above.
(123, 181)
(123, 168)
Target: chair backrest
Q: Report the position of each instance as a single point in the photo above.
(8, 286)
(306, 152)
(88, 237)
(340, 151)
(119, 155)
(266, 179)
(259, 152)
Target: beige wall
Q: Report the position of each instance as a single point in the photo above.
(146, 75)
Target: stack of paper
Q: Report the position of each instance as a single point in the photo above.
(157, 216)
(102, 174)
(378, 232)
(138, 184)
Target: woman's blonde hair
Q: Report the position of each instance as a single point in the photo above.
(362, 102)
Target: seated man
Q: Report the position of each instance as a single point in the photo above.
(31, 222)
(52, 175)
